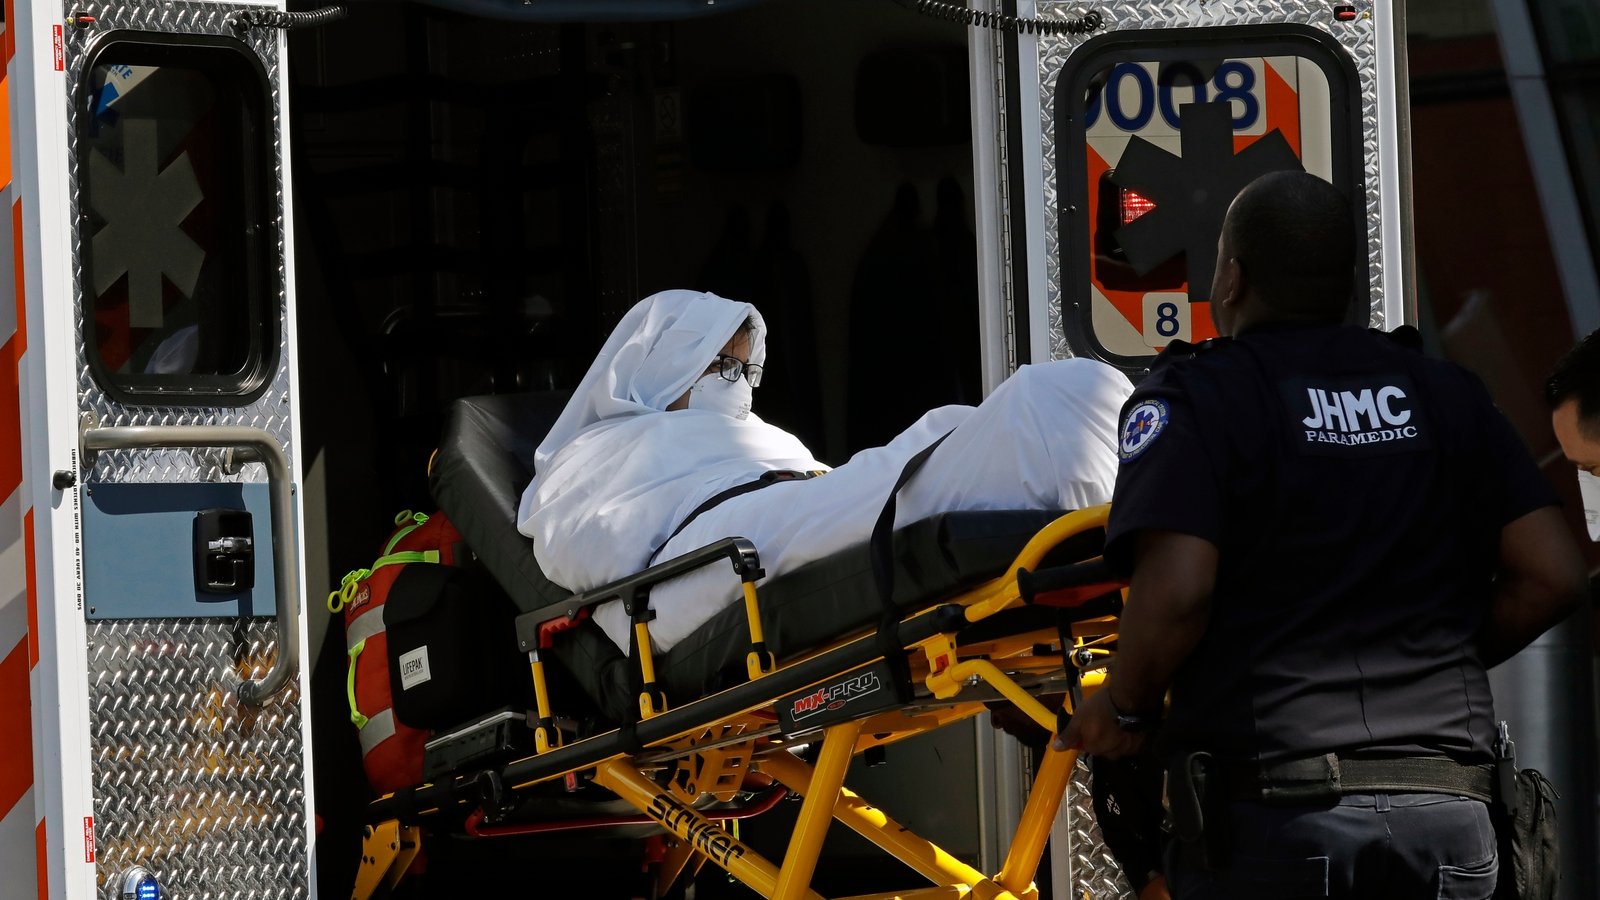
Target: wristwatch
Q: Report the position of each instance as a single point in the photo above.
(1136, 722)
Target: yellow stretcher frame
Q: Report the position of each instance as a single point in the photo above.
(710, 762)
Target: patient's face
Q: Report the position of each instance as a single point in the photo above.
(737, 346)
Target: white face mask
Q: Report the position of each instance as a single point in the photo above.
(1589, 489)
(717, 394)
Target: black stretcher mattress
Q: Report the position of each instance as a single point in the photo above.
(485, 461)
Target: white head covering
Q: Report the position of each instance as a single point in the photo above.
(616, 474)
(652, 357)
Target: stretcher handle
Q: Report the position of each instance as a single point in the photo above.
(247, 444)
(634, 590)
(1059, 578)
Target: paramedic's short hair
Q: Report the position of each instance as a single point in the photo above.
(1294, 237)
(1577, 377)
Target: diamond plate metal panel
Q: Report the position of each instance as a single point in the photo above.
(271, 411)
(1358, 39)
(207, 793)
(1095, 872)
(204, 792)
(1002, 183)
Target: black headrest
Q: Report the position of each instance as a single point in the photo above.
(485, 461)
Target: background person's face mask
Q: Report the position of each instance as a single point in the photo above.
(1589, 489)
(717, 394)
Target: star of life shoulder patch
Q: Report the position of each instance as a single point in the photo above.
(1140, 429)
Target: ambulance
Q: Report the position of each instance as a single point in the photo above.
(247, 244)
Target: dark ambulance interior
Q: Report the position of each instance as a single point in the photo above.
(478, 200)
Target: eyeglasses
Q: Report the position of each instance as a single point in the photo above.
(731, 367)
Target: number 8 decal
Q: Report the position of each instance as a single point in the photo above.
(1167, 319)
(1246, 117)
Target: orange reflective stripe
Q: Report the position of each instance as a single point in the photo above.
(16, 720)
(11, 372)
(33, 589)
(21, 336)
(1281, 96)
(5, 130)
(10, 46)
(11, 378)
(41, 862)
(10, 417)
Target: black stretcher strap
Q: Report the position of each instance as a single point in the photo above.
(643, 612)
(766, 480)
(881, 547)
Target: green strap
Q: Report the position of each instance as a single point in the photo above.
(406, 556)
(349, 585)
(417, 521)
(356, 717)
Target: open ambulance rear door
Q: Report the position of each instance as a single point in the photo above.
(1120, 132)
(149, 419)
(1116, 151)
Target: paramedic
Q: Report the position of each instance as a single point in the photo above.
(1573, 391)
(1312, 515)
(643, 461)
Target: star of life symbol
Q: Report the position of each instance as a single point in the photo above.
(1142, 426)
(144, 206)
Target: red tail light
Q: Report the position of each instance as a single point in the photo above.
(1134, 205)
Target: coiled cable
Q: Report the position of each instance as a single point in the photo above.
(272, 18)
(951, 12)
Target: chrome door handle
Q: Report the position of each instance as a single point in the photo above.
(248, 445)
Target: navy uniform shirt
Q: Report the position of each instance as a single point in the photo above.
(1355, 490)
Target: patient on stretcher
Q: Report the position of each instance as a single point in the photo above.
(662, 423)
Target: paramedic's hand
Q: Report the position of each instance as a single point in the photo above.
(1094, 730)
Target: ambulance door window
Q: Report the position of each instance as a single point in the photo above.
(1160, 131)
(175, 212)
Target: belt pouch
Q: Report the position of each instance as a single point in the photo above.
(1199, 810)
(1311, 780)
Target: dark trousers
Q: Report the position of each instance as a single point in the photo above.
(1367, 847)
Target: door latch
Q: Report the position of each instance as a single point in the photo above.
(224, 551)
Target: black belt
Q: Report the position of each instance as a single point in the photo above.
(1330, 776)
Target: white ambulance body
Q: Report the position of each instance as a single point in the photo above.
(127, 121)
